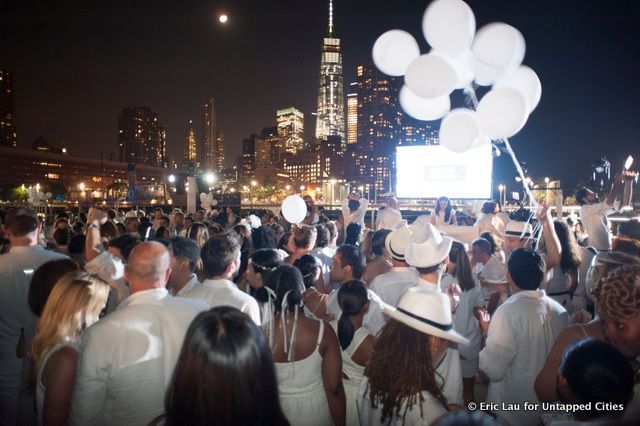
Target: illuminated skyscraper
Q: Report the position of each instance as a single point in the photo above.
(330, 119)
(141, 138)
(352, 118)
(190, 144)
(8, 135)
(211, 148)
(291, 129)
(379, 126)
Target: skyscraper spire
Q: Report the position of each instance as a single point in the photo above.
(330, 116)
(330, 17)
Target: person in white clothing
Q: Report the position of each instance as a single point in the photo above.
(593, 213)
(491, 274)
(185, 254)
(520, 336)
(220, 262)
(76, 301)
(468, 315)
(353, 210)
(355, 341)
(390, 285)
(389, 217)
(21, 225)
(489, 221)
(443, 214)
(127, 358)
(401, 385)
(428, 251)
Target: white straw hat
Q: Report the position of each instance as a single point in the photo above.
(518, 229)
(397, 241)
(428, 247)
(428, 312)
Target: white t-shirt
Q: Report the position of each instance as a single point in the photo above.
(594, 220)
(225, 293)
(388, 218)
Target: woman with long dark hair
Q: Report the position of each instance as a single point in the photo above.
(469, 313)
(306, 353)
(400, 384)
(224, 375)
(443, 213)
(356, 342)
(562, 280)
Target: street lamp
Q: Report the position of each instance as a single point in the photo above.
(302, 188)
(546, 187)
(501, 189)
(209, 178)
(253, 185)
(172, 178)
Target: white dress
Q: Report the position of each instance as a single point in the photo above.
(353, 372)
(302, 395)
(41, 390)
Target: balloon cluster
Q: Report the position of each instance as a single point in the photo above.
(207, 201)
(492, 56)
(36, 197)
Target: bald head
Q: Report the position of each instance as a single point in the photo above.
(148, 266)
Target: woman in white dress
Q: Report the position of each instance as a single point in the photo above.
(443, 213)
(74, 304)
(306, 354)
(355, 341)
(562, 280)
(400, 385)
(468, 316)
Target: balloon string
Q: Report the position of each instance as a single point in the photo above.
(471, 93)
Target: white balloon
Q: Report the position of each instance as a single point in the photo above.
(423, 108)
(460, 130)
(430, 76)
(214, 202)
(526, 81)
(449, 26)
(393, 51)
(498, 48)
(203, 197)
(48, 195)
(502, 112)
(294, 209)
(462, 66)
(30, 200)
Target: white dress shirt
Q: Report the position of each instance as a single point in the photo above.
(521, 334)
(594, 220)
(127, 359)
(388, 218)
(16, 269)
(325, 256)
(389, 287)
(356, 216)
(190, 285)
(225, 293)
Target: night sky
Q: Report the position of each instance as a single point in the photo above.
(77, 63)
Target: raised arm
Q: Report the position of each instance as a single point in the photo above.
(332, 375)
(93, 244)
(551, 241)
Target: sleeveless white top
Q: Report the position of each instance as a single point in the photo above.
(353, 372)
(302, 395)
(40, 388)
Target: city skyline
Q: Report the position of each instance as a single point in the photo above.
(267, 59)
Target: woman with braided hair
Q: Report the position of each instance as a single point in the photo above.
(355, 341)
(400, 384)
(305, 352)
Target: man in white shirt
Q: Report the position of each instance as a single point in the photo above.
(490, 271)
(127, 358)
(348, 264)
(221, 261)
(322, 252)
(185, 254)
(390, 285)
(389, 217)
(354, 209)
(593, 213)
(428, 252)
(521, 334)
(22, 227)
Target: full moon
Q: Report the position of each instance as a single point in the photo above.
(223, 18)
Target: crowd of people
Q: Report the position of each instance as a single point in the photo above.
(219, 317)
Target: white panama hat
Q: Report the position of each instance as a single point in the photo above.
(518, 229)
(397, 241)
(428, 247)
(427, 311)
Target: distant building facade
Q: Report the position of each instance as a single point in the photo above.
(141, 138)
(211, 148)
(8, 135)
(290, 122)
(190, 144)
